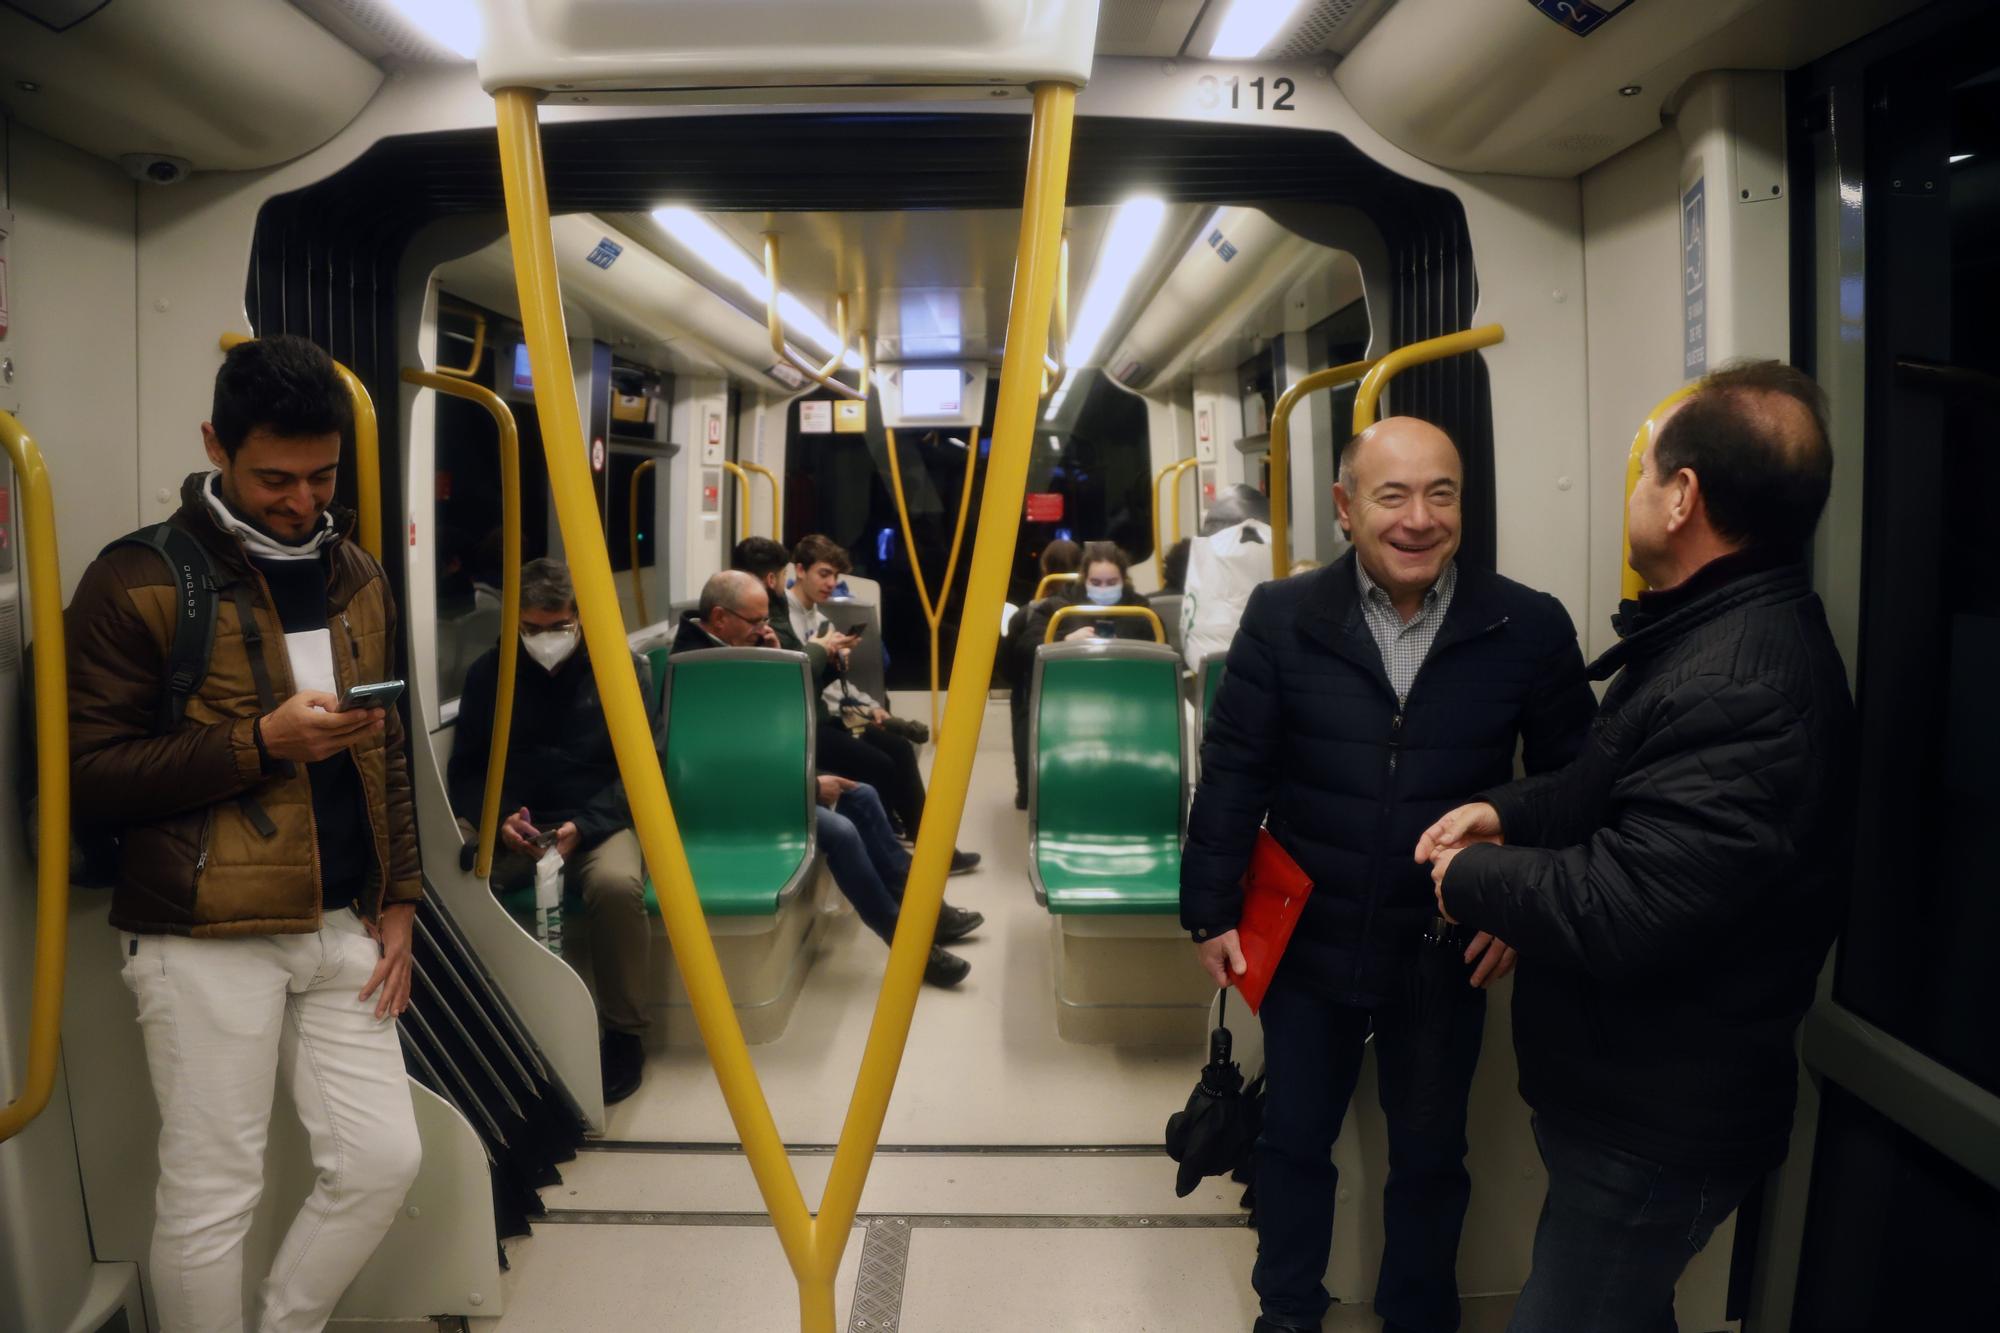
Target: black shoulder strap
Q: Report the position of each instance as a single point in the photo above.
(195, 590)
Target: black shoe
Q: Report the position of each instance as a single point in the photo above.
(945, 969)
(622, 1059)
(955, 923)
(964, 863)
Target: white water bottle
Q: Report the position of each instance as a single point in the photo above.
(548, 900)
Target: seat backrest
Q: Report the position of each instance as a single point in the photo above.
(1107, 760)
(1207, 680)
(1168, 607)
(739, 761)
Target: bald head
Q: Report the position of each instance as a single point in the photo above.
(1398, 497)
(735, 608)
(1397, 437)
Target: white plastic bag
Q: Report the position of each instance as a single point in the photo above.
(1222, 570)
(549, 900)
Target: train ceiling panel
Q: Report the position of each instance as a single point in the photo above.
(225, 84)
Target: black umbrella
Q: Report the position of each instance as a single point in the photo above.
(1213, 1134)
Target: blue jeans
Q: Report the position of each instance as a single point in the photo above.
(1616, 1233)
(870, 866)
(1424, 1066)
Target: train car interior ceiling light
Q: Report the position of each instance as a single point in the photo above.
(714, 248)
(1249, 26)
(452, 25)
(1128, 244)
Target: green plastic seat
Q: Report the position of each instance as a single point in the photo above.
(1108, 787)
(739, 767)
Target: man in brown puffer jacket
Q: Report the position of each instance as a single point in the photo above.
(268, 875)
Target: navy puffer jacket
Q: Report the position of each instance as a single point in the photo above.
(1307, 732)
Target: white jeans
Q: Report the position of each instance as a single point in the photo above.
(222, 1018)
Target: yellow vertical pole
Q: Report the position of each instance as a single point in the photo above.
(972, 668)
(624, 708)
(933, 613)
(777, 504)
(1180, 470)
(742, 479)
(510, 593)
(1281, 456)
(51, 777)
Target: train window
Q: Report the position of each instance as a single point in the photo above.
(1914, 958)
(1898, 1235)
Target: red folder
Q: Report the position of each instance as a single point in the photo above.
(1274, 894)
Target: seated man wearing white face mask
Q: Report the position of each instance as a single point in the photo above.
(562, 782)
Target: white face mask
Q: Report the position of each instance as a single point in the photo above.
(1103, 595)
(551, 648)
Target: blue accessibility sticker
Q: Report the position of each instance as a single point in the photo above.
(1582, 17)
(606, 253)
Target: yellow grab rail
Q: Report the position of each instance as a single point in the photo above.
(1630, 585)
(812, 1246)
(510, 593)
(775, 322)
(1173, 470)
(736, 471)
(1416, 354)
(777, 504)
(51, 776)
(367, 455)
(1052, 581)
(1281, 455)
(1082, 612)
(933, 613)
(632, 530)
(471, 367)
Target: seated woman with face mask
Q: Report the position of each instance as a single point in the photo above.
(1106, 582)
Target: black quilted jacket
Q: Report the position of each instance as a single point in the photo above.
(1307, 731)
(1674, 891)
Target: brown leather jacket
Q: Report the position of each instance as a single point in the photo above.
(189, 805)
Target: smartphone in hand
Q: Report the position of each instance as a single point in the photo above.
(374, 694)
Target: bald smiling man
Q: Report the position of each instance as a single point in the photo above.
(1362, 701)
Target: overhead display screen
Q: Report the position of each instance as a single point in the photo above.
(933, 391)
(933, 395)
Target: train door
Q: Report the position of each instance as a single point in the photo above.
(1889, 1211)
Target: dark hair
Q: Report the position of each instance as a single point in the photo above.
(813, 548)
(1175, 562)
(759, 557)
(1097, 553)
(282, 383)
(1754, 433)
(1061, 556)
(546, 586)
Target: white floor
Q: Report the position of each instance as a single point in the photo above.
(659, 1226)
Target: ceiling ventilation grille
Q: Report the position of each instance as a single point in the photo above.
(1319, 27)
(375, 30)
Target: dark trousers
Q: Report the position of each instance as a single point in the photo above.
(1424, 1058)
(1616, 1233)
(869, 867)
(886, 762)
(1017, 712)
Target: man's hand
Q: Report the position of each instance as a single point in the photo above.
(1439, 865)
(1222, 958)
(831, 789)
(766, 637)
(566, 839)
(878, 715)
(305, 729)
(1498, 958)
(518, 834)
(1478, 822)
(1080, 633)
(835, 643)
(390, 981)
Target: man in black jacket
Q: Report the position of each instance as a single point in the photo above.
(562, 780)
(1674, 891)
(1361, 702)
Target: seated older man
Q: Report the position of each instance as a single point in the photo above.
(870, 866)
